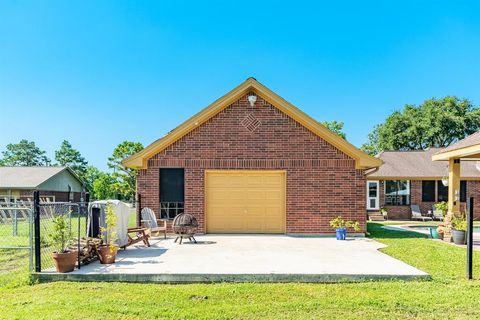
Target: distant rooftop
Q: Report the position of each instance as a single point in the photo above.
(26, 177)
(418, 164)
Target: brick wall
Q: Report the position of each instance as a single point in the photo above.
(403, 212)
(322, 181)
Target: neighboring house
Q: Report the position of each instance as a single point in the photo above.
(411, 177)
(54, 183)
(253, 163)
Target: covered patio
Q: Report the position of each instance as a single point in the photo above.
(248, 258)
(467, 149)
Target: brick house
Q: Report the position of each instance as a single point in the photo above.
(253, 163)
(411, 177)
(55, 184)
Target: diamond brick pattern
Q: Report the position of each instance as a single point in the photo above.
(250, 123)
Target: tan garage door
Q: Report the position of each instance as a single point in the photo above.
(245, 201)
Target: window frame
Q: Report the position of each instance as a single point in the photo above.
(434, 195)
(170, 209)
(409, 195)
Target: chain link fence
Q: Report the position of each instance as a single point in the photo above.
(48, 219)
(16, 231)
(28, 229)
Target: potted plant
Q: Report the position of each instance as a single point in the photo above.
(437, 233)
(63, 257)
(384, 212)
(107, 251)
(459, 228)
(340, 225)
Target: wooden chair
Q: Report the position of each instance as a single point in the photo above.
(154, 225)
(140, 234)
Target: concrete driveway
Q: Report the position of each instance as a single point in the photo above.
(261, 258)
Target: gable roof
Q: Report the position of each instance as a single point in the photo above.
(417, 164)
(363, 160)
(467, 147)
(28, 177)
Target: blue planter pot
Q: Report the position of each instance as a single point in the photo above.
(341, 233)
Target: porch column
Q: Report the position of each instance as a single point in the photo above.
(453, 194)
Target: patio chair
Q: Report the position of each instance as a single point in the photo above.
(155, 226)
(137, 235)
(437, 214)
(417, 214)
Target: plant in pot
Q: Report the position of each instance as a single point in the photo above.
(384, 212)
(107, 251)
(63, 257)
(440, 231)
(340, 225)
(459, 228)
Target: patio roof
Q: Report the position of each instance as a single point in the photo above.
(467, 149)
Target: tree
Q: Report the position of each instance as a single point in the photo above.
(67, 156)
(335, 127)
(124, 177)
(91, 174)
(102, 187)
(435, 123)
(24, 153)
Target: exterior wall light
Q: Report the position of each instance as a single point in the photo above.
(252, 99)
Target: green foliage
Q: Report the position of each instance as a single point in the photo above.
(61, 234)
(67, 156)
(24, 153)
(434, 123)
(335, 127)
(110, 230)
(91, 174)
(102, 186)
(459, 221)
(339, 223)
(124, 177)
(442, 206)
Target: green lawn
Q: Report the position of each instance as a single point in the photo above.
(447, 296)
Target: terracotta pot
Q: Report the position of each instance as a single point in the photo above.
(107, 255)
(65, 262)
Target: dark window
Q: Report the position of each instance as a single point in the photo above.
(397, 192)
(428, 191)
(442, 192)
(172, 192)
(463, 191)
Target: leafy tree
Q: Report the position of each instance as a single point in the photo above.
(335, 127)
(91, 174)
(124, 177)
(24, 153)
(102, 187)
(434, 123)
(67, 156)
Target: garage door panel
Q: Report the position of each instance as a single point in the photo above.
(245, 202)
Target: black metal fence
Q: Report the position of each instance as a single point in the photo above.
(45, 226)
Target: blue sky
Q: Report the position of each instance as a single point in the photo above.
(100, 72)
